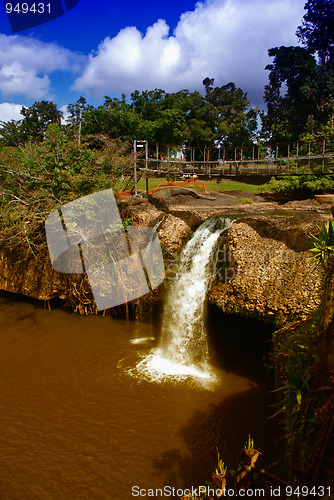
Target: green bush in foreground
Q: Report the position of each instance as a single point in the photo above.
(323, 245)
(38, 177)
(304, 184)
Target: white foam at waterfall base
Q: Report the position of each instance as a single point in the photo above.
(183, 349)
(157, 368)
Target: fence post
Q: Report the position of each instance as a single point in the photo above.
(146, 166)
(208, 161)
(168, 159)
(135, 163)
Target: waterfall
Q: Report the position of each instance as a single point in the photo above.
(183, 338)
(183, 348)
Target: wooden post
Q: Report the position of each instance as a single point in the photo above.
(135, 163)
(269, 158)
(146, 166)
(208, 160)
(253, 159)
(241, 159)
(157, 154)
(168, 159)
(147, 187)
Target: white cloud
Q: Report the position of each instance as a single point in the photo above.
(16, 79)
(224, 39)
(10, 111)
(25, 65)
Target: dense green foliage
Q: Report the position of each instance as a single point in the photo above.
(32, 127)
(317, 29)
(296, 354)
(222, 116)
(302, 185)
(307, 75)
(37, 177)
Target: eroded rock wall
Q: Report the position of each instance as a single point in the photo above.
(266, 269)
(267, 257)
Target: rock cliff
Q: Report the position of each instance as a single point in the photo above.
(263, 267)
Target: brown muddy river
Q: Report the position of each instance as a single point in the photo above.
(77, 425)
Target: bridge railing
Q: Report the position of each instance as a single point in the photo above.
(314, 157)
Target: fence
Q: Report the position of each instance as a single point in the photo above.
(314, 157)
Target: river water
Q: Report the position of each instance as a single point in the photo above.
(78, 422)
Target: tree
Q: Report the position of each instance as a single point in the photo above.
(317, 29)
(223, 116)
(295, 69)
(76, 111)
(12, 133)
(308, 99)
(37, 118)
(76, 115)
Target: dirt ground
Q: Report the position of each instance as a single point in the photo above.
(182, 200)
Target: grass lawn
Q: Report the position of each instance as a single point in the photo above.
(225, 185)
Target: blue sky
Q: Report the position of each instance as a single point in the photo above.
(105, 48)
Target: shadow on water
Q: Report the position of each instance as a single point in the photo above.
(224, 427)
(240, 345)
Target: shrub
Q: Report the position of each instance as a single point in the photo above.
(305, 184)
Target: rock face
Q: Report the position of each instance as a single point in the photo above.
(264, 266)
(31, 274)
(22, 272)
(266, 269)
(25, 267)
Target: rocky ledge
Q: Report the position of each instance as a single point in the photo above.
(265, 268)
(263, 265)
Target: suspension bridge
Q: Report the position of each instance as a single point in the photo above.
(314, 158)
